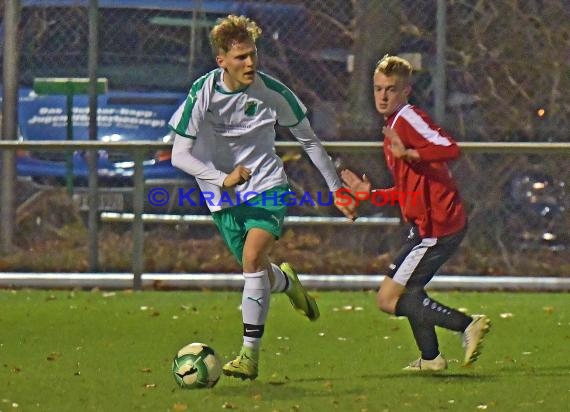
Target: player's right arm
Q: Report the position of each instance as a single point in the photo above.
(355, 183)
(361, 187)
(238, 176)
(183, 159)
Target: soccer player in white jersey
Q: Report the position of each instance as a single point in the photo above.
(225, 137)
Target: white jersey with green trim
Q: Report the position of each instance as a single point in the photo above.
(238, 128)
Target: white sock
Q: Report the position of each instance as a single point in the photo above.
(280, 280)
(254, 306)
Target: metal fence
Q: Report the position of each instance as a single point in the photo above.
(515, 194)
(489, 71)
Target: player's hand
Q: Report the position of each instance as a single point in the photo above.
(238, 176)
(355, 183)
(359, 189)
(345, 203)
(397, 146)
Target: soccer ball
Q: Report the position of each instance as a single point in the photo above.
(196, 366)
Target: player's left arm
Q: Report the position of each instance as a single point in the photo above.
(441, 150)
(304, 133)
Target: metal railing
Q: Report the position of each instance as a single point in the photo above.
(138, 149)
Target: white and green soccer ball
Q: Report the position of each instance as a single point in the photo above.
(196, 366)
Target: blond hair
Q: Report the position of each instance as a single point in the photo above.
(394, 66)
(233, 29)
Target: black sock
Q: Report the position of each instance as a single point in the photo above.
(443, 316)
(410, 306)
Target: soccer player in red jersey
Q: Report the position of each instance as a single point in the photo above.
(417, 151)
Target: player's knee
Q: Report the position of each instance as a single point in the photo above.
(253, 261)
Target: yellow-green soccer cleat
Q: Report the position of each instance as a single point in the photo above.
(300, 299)
(473, 338)
(421, 365)
(244, 366)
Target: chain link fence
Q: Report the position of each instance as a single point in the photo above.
(506, 63)
(517, 207)
(505, 67)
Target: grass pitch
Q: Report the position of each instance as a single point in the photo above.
(112, 351)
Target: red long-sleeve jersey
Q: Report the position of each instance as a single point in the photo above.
(428, 195)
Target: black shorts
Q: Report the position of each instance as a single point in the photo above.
(419, 259)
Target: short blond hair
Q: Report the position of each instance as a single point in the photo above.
(394, 66)
(232, 29)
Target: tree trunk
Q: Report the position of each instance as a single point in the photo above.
(376, 34)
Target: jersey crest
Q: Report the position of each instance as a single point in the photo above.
(250, 108)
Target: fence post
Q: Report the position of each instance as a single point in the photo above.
(93, 199)
(138, 229)
(439, 78)
(9, 123)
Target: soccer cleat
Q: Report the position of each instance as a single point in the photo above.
(473, 338)
(300, 299)
(423, 365)
(244, 366)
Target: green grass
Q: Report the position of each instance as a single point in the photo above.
(101, 351)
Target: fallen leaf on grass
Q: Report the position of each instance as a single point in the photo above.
(276, 379)
(548, 309)
(229, 405)
(179, 407)
(53, 356)
(150, 385)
